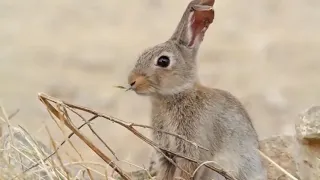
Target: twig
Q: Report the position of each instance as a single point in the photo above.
(94, 132)
(13, 140)
(78, 174)
(58, 147)
(106, 173)
(68, 139)
(141, 168)
(13, 114)
(120, 122)
(84, 163)
(124, 124)
(83, 138)
(45, 99)
(59, 158)
(202, 164)
(169, 133)
(34, 146)
(277, 166)
(81, 164)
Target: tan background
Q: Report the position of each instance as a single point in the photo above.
(266, 52)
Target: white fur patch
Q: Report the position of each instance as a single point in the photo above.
(177, 89)
(189, 30)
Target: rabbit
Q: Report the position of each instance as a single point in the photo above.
(213, 118)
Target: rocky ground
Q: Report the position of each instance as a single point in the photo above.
(264, 52)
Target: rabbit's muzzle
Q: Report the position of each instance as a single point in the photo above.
(139, 84)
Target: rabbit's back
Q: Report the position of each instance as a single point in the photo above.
(239, 140)
(225, 115)
(230, 134)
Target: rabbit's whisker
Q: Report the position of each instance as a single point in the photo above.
(153, 85)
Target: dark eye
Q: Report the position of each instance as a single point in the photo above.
(163, 61)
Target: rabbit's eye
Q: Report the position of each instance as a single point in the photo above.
(163, 61)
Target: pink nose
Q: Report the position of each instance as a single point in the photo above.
(136, 80)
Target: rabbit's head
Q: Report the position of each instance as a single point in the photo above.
(170, 67)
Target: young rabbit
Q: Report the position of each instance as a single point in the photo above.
(210, 117)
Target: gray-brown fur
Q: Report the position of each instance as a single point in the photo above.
(210, 117)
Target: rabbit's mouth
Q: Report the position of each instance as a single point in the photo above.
(143, 90)
(140, 84)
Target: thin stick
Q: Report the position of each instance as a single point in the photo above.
(46, 99)
(106, 173)
(13, 140)
(68, 139)
(124, 124)
(58, 147)
(91, 169)
(169, 133)
(13, 114)
(83, 138)
(277, 166)
(35, 145)
(141, 168)
(38, 151)
(59, 157)
(202, 164)
(94, 132)
(78, 174)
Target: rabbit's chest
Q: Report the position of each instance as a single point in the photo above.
(178, 122)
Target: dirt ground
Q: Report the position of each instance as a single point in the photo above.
(264, 52)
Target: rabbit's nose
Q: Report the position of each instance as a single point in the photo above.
(133, 83)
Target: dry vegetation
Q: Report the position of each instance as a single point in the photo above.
(24, 157)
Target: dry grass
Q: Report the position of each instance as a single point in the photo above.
(24, 157)
(19, 150)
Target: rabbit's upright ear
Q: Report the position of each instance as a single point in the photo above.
(194, 23)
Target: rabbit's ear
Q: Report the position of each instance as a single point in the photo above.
(194, 23)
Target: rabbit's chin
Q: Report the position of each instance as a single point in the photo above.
(143, 93)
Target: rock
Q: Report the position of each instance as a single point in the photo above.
(308, 125)
(308, 144)
(280, 150)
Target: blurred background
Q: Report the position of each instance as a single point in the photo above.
(265, 52)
